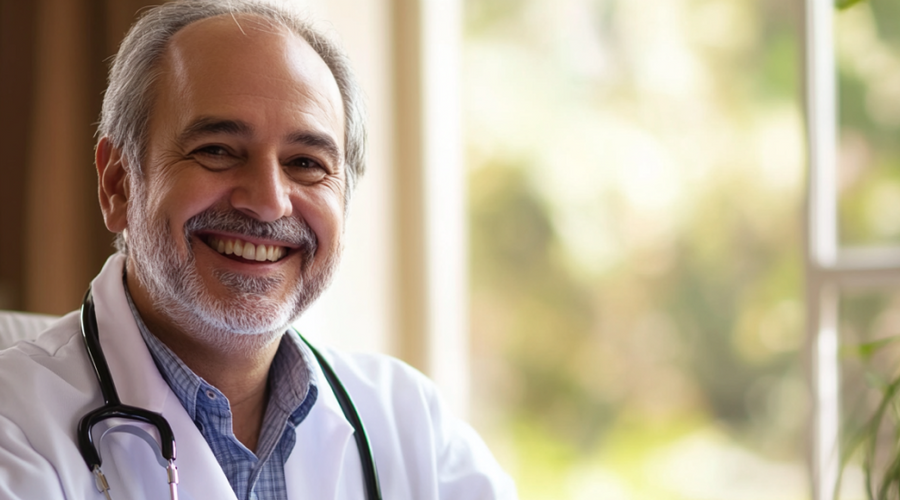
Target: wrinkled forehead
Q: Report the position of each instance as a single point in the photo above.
(225, 57)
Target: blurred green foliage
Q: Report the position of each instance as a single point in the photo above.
(846, 4)
(549, 314)
(870, 382)
(636, 235)
(687, 317)
(868, 46)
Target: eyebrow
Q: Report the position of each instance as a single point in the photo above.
(209, 125)
(321, 142)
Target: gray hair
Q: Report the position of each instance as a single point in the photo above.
(126, 105)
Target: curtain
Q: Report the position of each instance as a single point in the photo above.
(54, 56)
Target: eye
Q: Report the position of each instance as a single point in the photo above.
(305, 163)
(213, 150)
(305, 169)
(215, 157)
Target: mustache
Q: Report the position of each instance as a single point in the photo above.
(291, 230)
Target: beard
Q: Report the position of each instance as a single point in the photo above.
(256, 309)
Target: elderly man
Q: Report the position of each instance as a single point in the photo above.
(231, 138)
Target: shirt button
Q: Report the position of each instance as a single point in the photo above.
(210, 394)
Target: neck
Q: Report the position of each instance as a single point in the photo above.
(237, 365)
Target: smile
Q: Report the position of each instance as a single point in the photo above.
(245, 249)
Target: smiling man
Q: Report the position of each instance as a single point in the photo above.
(230, 141)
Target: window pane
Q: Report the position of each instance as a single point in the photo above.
(868, 55)
(635, 208)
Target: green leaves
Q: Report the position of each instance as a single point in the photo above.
(866, 440)
(866, 350)
(845, 4)
(878, 439)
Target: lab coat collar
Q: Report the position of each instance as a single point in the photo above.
(325, 448)
(326, 401)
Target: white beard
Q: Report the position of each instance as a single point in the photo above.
(178, 292)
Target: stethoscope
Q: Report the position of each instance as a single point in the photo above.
(165, 449)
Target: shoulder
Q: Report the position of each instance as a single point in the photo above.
(53, 352)
(384, 384)
(46, 377)
(375, 370)
(407, 420)
(46, 384)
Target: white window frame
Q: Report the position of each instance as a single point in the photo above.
(830, 268)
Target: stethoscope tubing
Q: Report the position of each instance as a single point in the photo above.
(112, 407)
(367, 458)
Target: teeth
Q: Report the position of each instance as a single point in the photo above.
(247, 250)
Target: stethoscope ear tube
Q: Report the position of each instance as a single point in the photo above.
(366, 456)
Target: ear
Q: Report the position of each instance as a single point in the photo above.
(113, 182)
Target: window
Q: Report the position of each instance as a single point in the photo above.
(636, 192)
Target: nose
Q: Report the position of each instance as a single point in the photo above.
(262, 191)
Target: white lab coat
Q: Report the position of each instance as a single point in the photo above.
(421, 451)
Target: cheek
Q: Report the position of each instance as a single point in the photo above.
(178, 198)
(324, 212)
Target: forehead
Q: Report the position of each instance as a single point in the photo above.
(250, 66)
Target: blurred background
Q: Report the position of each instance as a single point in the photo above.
(636, 186)
(583, 218)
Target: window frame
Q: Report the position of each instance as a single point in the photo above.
(830, 267)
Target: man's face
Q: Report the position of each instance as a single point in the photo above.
(237, 222)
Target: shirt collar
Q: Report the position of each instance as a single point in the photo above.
(292, 376)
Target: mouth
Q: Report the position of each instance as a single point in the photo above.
(242, 250)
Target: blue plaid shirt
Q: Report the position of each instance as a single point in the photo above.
(292, 393)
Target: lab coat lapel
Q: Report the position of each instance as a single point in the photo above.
(135, 374)
(324, 463)
(140, 384)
